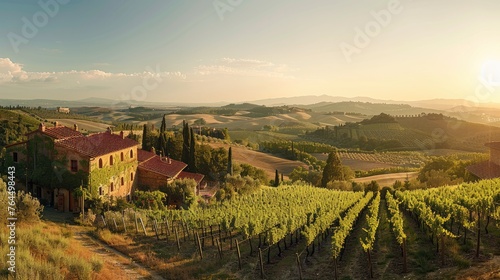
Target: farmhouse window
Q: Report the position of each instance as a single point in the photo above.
(131, 153)
(100, 163)
(132, 176)
(111, 160)
(74, 165)
(121, 156)
(123, 182)
(101, 191)
(111, 186)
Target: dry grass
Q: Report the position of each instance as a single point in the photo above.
(48, 251)
(113, 239)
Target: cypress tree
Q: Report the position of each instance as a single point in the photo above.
(163, 126)
(333, 169)
(168, 150)
(162, 138)
(277, 179)
(192, 155)
(146, 141)
(162, 143)
(186, 135)
(230, 162)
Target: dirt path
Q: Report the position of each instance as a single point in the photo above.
(387, 257)
(354, 261)
(118, 263)
(114, 258)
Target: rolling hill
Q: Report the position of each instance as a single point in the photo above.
(423, 132)
(367, 108)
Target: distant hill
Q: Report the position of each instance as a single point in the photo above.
(322, 104)
(313, 99)
(241, 106)
(367, 108)
(436, 104)
(423, 132)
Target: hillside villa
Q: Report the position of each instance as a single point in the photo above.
(58, 160)
(64, 110)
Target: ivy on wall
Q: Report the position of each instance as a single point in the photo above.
(43, 168)
(6, 160)
(102, 176)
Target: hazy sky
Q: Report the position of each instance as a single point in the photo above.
(237, 50)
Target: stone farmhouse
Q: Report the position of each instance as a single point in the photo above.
(64, 110)
(58, 160)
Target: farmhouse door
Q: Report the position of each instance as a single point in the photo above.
(60, 202)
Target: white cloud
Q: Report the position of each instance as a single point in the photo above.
(11, 72)
(246, 67)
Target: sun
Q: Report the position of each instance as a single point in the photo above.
(491, 72)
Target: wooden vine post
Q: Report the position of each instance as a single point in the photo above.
(200, 250)
(116, 226)
(239, 254)
(136, 225)
(143, 227)
(177, 239)
(219, 248)
(261, 264)
(298, 265)
(124, 225)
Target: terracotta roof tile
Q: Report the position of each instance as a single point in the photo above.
(188, 175)
(59, 132)
(169, 168)
(144, 155)
(16, 144)
(97, 144)
(485, 170)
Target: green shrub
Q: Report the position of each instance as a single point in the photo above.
(28, 208)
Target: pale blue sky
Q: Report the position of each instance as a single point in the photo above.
(184, 51)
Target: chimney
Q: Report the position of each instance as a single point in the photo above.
(108, 130)
(75, 126)
(122, 135)
(169, 161)
(41, 127)
(56, 124)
